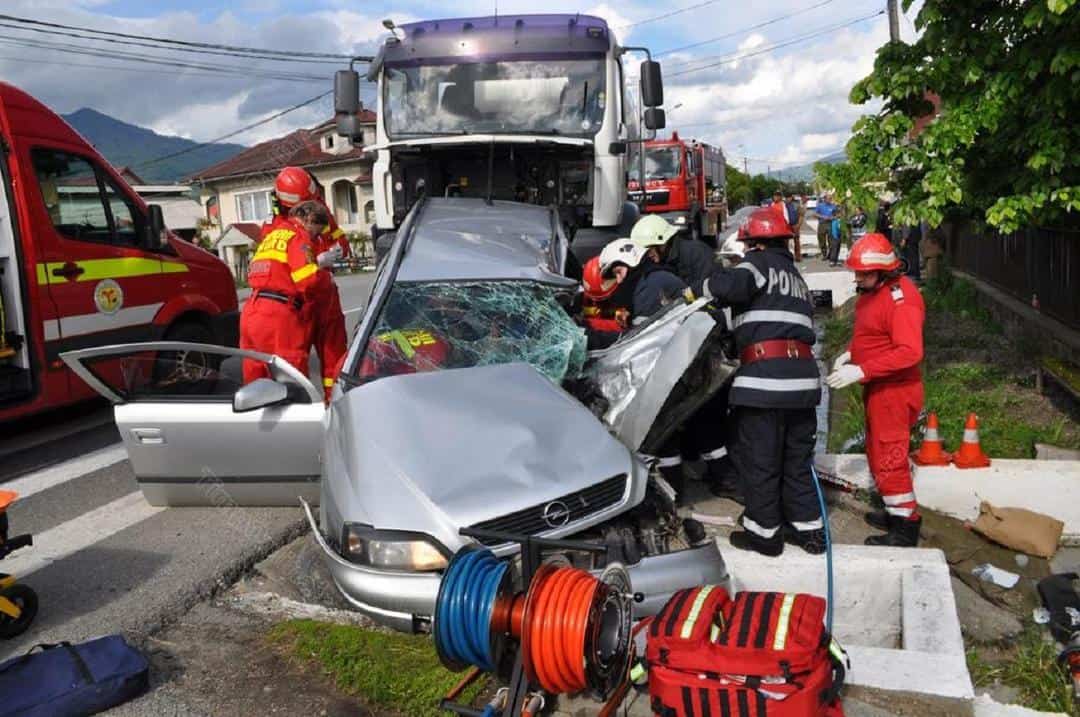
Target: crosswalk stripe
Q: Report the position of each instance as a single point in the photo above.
(77, 534)
(46, 478)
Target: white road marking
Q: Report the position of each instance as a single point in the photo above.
(46, 478)
(80, 533)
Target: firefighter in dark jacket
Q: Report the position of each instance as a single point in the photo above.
(689, 259)
(774, 392)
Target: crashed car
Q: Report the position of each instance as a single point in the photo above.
(467, 400)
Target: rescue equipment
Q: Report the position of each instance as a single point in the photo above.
(932, 452)
(760, 654)
(18, 603)
(971, 454)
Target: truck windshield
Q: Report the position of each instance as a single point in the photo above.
(660, 163)
(550, 96)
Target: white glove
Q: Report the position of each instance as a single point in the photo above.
(846, 375)
(328, 257)
(841, 360)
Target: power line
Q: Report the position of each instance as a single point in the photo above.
(232, 134)
(121, 68)
(666, 15)
(180, 43)
(743, 30)
(158, 46)
(771, 48)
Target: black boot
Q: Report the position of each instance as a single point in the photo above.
(878, 519)
(903, 533)
(745, 540)
(812, 541)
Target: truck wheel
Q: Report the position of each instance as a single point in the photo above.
(186, 364)
(27, 601)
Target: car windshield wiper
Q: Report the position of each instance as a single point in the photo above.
(433, 133)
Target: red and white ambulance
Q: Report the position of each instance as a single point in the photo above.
(85, 262)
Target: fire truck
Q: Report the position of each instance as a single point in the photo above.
(85, 262)
(684, 183)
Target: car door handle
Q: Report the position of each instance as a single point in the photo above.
(148, 436)
(69, 271)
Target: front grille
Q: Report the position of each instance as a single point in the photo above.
(658, 198)
(580, 504)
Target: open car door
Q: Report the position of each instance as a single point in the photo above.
(196, 435)
(659, 373)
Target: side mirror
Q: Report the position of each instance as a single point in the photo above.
(260, 393)
(655, 118)
(652, 84)
(157, 236)
(617, 148)
(347, 103)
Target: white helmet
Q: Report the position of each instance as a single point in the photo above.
(620, 251)
(732, 247)
(652, 230)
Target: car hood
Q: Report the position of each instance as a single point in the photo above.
(434, 452)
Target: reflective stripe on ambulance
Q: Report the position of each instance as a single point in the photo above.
(116, 268)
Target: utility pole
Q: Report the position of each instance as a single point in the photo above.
(746, 166)
(894, 20)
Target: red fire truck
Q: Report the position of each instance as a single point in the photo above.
(85, 262)
(684, 182)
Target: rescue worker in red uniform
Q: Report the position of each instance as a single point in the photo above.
(884, 356)
(286, 283)
(292, 186)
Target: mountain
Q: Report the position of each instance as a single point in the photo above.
(805, 172)
(128, 145)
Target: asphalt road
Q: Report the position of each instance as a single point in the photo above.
(104, 560)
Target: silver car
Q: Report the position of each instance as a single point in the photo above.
(468, 399)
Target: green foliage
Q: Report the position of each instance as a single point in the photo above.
(1005, 145)
(1033, 669)
(391, 670)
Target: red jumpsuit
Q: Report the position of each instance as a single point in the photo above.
(328, 320)
(888, 345)
(285, 282)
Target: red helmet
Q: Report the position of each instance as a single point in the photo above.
(597, 288)
(872, 252)
(764, 224)
(294, 185)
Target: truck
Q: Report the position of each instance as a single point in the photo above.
(684, 183)
(85, 262)
(526, 108)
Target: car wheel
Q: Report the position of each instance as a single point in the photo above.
(27, 601)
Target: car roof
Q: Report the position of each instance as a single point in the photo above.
(468, 239)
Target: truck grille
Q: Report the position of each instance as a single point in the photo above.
(579, 505)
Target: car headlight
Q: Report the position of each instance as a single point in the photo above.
(680, 220)
(392, 549)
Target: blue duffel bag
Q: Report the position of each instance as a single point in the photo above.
(65, 680)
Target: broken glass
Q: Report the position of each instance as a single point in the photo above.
(432, 326)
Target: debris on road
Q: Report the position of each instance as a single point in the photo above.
(1020, 529)
(999, 577)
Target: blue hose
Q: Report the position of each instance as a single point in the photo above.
(463, 613)
(828, 547)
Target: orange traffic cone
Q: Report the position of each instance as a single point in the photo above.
(931, 452)
(971, 454)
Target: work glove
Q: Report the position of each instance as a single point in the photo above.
(328, 257)
(841, 360)
(846, 375)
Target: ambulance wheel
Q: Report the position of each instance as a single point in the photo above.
(27, 601)
(186, 365)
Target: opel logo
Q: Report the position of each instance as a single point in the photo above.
(556, 514)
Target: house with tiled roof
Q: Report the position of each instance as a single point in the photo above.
(237, 190)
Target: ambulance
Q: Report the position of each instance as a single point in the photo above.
(85, 262)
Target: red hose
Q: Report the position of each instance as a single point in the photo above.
(555, 625)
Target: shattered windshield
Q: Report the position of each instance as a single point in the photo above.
(551, 96)
(441, 325)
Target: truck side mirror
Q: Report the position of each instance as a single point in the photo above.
(652, 84)
(347, 103)
(157, 236)
(655, 118)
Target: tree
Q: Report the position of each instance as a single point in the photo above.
(1005, 145)
(738, 188)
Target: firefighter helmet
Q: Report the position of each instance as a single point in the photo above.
(597, 288)
(652, 230)
(732, 246)
(294, 185)
(872, 252)
(764, 224)
(620, 251)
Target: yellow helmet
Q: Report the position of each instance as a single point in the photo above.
(652, 230)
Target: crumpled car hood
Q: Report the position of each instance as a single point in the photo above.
(433, 452)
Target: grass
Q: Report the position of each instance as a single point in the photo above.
(393, 671)
(1033, 669)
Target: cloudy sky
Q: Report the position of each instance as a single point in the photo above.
(779, 107)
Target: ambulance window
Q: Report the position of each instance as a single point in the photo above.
(72, 196)
(123, 214)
